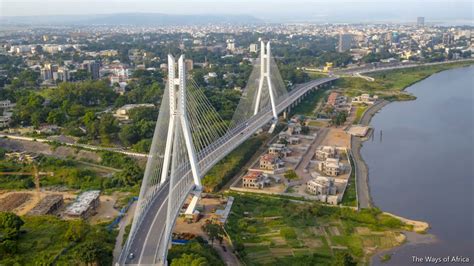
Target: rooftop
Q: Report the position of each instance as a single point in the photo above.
(82, 203)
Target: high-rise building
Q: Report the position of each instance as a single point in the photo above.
(253, 47)
(63, 74)
(420, 21)
(189, 64)
(448, 38)
(395, 37)
(231, 44)
(345, 42)
(46, 74)
(388, 38)
(94, 69)
(47, 71)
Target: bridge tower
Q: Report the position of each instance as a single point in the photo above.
(265, 61)
(178, 121)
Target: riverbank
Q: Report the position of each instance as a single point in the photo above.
(418, 235)
(419, 228)
(417, 74)
(362, 172)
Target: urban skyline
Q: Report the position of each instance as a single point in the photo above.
(341, 11)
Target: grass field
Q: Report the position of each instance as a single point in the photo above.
(277, 231)
(390, 84)
(316, 75)
(350, 195)
(223, 171)
(46, 238)
(359, 112)
(309, 103)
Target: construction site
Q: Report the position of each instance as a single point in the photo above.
(88, 205)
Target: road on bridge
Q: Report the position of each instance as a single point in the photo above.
(146, 242)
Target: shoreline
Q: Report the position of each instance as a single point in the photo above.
(364, 199)
(418, 234)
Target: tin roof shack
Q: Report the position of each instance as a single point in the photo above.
(84, 206)
(48, 205)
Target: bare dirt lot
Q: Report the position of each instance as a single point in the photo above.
(22, 202)
(11, 202)
(46, 149)
(337, 137)
(106, 210)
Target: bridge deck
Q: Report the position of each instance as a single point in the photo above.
(147, 243)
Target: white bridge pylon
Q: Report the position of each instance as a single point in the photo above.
(265, 60)
(178, 119)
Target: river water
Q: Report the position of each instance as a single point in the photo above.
(421, 165)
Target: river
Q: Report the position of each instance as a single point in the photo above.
(421, 165)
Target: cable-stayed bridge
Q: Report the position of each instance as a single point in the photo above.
(189, 139)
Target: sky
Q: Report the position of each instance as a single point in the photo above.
(269, 10)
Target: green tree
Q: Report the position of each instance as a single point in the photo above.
(129, 135)
(213, 231)
(10, 225)
(291, 174)
(339, 118)
(76, 231)
(108, 127)
(130, 175)
(92, 252)
(56, 116)
(343, 259)
(8, 246)
(189, 260)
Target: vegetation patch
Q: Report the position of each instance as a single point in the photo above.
(389, 85)
(350, 195)
(228, 167)
(196, 252)
(307, 231)
(44, 240)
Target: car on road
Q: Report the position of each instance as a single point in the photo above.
(131, 256)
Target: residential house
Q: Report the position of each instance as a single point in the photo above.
(293, 129)
(269, 162)
(321, 185)
(331, 167)
(365, 98)
(254, 179)
(279, 149)
(324, 152)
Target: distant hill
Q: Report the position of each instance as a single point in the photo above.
(134, 19)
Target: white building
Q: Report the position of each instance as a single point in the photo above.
(6, 112)
(6, 104)
(321, 185)
(324, 152)
(253, 48)
(84, 206)
(230, 45)
(365, 98)
(331, 167)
